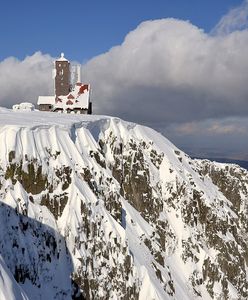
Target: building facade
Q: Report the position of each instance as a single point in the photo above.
(62, 76)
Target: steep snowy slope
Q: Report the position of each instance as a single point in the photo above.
(93, 207)
(9, 289)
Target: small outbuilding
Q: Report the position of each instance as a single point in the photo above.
(24, 106)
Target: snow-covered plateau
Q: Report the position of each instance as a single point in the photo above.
(93, 207)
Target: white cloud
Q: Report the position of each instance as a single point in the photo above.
(171, 71)
(25, 80)
(235, 19)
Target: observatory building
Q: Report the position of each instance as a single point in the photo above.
(71, 95)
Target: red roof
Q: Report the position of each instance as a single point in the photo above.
(70, 97)
(83, 88)
(69, 102)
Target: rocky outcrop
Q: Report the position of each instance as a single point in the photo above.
(115, 211)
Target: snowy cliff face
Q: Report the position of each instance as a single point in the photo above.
(97, 208)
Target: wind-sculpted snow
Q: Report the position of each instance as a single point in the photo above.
(94, 207)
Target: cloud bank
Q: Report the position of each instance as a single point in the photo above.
(24, 81)
(171, 71)
(226, 137)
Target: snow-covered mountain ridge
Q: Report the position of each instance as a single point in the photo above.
(93, 207)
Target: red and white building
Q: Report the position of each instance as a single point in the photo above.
(68, 98)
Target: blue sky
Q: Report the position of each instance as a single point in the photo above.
(84, 29)
(180, 67)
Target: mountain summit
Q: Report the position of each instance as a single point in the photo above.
(92, 207)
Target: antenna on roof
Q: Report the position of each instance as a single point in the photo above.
(78, 73)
